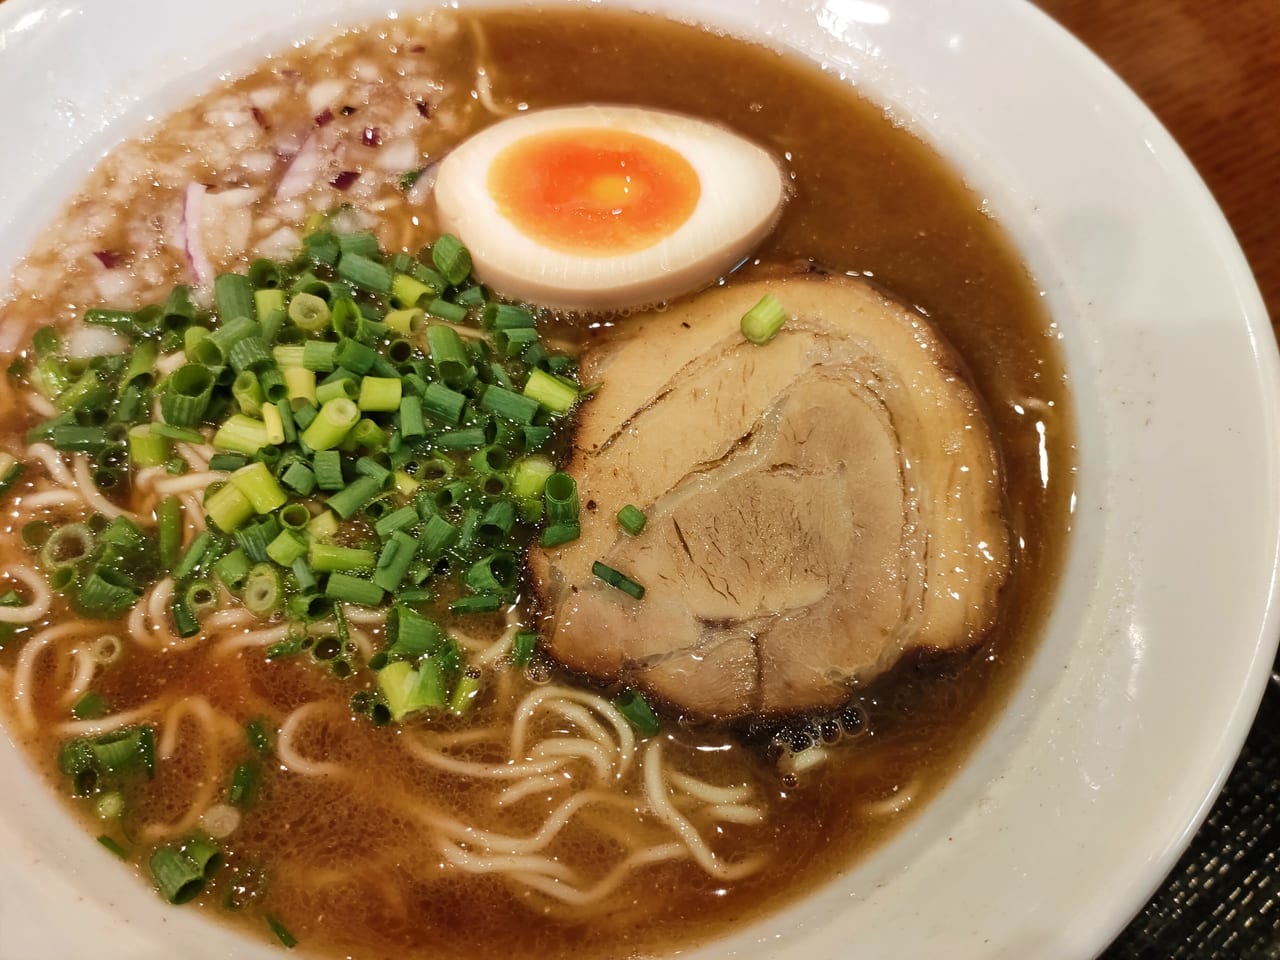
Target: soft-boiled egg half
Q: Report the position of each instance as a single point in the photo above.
(598, 207)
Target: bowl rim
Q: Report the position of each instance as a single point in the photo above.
(849, 35)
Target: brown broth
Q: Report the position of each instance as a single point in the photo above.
(350, 874)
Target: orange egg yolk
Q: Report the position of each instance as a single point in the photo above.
(595, 192)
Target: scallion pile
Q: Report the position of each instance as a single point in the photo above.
(383, 425)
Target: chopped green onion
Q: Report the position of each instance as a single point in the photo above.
(267, 302)
(529, 476)
(354, 496)
(233, 297)
(309, 312)
(762, 322)
(69, 544)
(355, 356)
(247, 391)
(402, 321)
(447, 353)
(327, 465)
(227, 461)
(410, 635)
(273, 386)
(639, 714)
(186, 394)
(233, 568)
(560, 533)
(443, 403)
(89, 707)
(472, 296)
(464, 694)
(409, 292)
(494, 574)
(326, 557)
(451, 258)
(617, 579)
(397, 682)
(228, 508)
(299, 478)
(452, 312)
(300, 384)
(140, 371)
(262, 593)
(256, 537)
(364, 243)
(514, 342)
(10, 471)
(258, 484)
(282, 932)
(260, 487)
(295, 516)
(169, 530)
(241, 434)
(255, 732)
(201, 597)
(430, 689)
(480, 603)
(201, 551)
(379, 394)
(249, 354)
(631, 519)
(509, 404)
(490, 459)
(331, 425)
(184, 622)
(555, 393)
(393, 563)
(178, 879)
(522, 647)
(170, 432)
(411, 422)
(348, 387)
(437, 536)
(319, 355)
(506, 316)
(344, 588)
(76, 439)
(561, 495)
(289, 647)
(245, 780)
(365, 273)
(497, 521)
(396, 520)
(109, 806)
(114, 847)
(108, 592)
(304, 414)
(287, 547)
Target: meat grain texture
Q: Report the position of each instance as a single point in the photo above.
(816, 506)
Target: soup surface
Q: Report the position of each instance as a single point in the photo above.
(539, 823)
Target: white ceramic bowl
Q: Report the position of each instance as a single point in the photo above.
(1104, 763)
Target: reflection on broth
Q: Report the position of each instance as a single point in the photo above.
(288, 757)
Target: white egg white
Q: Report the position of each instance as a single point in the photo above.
(741, 195)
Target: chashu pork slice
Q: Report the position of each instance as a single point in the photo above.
(817, 506)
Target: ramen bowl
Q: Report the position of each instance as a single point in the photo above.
(1125, 720)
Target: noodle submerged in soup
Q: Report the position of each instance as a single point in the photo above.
(537, 817)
